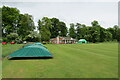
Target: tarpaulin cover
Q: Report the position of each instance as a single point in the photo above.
(32, 51)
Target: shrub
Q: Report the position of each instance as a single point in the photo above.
(33, 37)
(4, 40)
(12, 37)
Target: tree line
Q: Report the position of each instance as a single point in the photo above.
(20, 27)
(94, 33)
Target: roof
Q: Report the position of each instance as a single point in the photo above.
(65, 38)
(82, 40)
(32, 51)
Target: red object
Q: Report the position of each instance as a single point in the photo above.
(12, 42)
(4, 42)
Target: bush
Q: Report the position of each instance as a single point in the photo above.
(33, 37)
(12, 37)
(18, 40)
(4, 40)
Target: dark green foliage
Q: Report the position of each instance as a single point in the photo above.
(112, 31)
(116, 28)
(95, 33)
(26, 25)
(14, 22)
(118, 35)
(44, 28)
(72, 31)
(91, 34)
(10, 18)
(39, 25)
(115, 32)
(95, 23)
(45, 34)
(78, 31)
(55, 27)
(63, 29)
(58, 28)
(51, 28)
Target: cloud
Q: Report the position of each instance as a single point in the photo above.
(71, 12)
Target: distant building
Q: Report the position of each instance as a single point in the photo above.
(63, 40)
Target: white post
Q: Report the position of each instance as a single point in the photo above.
(58, 40)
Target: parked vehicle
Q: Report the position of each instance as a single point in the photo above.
(24, 42)
(4, 43)
(12, 42)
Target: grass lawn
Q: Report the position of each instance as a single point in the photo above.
(70, 61)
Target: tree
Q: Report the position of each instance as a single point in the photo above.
(78, 25)
(102, 34)
(83, 25)
(45, 29)
(72, 31)
(78, 30)
(112, 31)
(10, 17)
(94, 33)
(39, 24)
(45, 34)
(87, 33)
(55, 27)
(116, 28)
(118, 35)
(26, 25)
(108, 36)
(63, 29)
(95, 24)
(14, 22)
(58, 26)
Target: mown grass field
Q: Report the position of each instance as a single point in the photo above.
(70, 61)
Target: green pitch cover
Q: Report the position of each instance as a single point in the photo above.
(32, 51)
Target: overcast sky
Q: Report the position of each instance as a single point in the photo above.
(70, 12)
